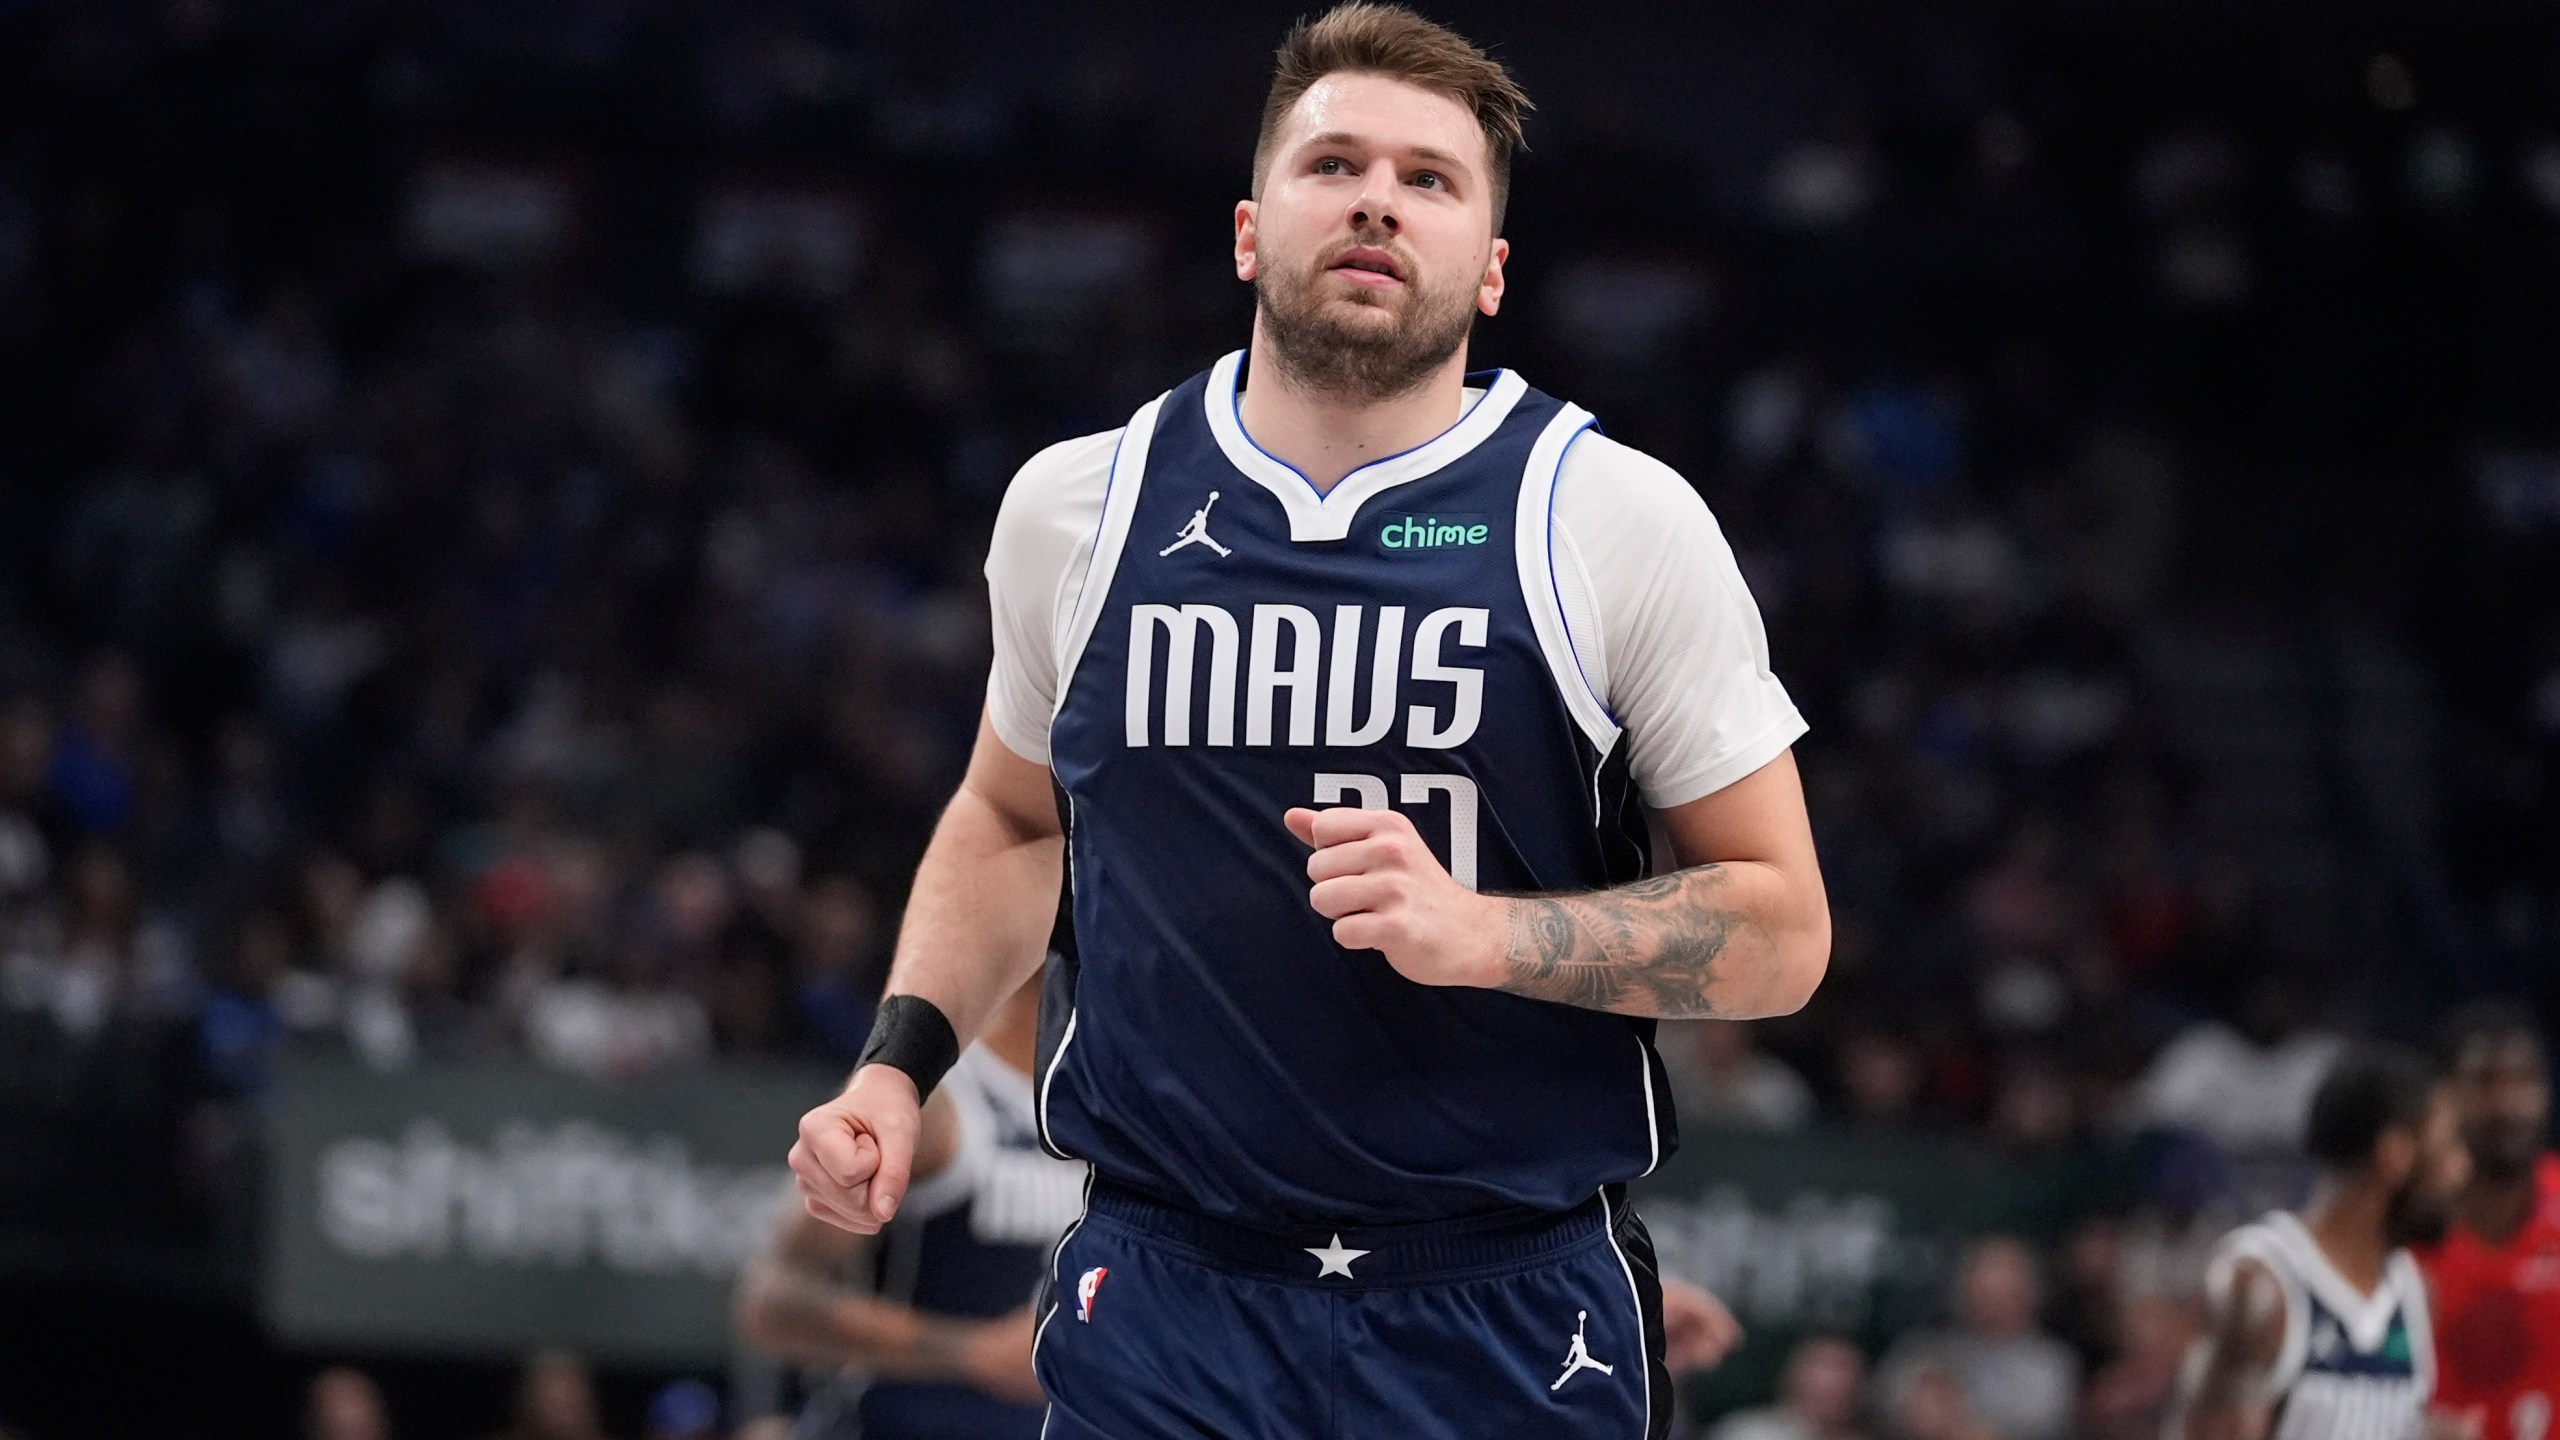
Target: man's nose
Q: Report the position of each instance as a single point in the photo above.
(1375, 205)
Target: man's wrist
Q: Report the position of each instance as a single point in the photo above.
(1492, 946)
(876, 1072)
(911, 1034)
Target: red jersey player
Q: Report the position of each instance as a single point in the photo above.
(2496, 1274)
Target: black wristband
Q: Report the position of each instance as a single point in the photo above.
(912, 1034)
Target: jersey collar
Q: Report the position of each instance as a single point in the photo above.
(2367, 1317)
(1327, 515)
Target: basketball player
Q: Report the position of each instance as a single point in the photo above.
(2496, 1275)
(938, 1345)
(1354, 808)
(2319, 1323)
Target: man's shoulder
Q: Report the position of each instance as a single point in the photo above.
(1595, 455)
(1069, 465)
(1606, 482)
(1053, 500)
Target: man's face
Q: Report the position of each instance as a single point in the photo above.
(2433, 1175)
(1371, 245)
(2502, 1089)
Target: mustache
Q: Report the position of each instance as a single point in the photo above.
(1370, 240)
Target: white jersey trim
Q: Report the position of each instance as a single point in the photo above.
(1652, 1118)
(1534, 548)
(1111, 535)
(2261, 1244)
(1058, 1295)
(1644, 1361)
(2367, 1317)
(1328, 514)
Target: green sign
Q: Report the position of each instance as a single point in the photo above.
(488, 1209)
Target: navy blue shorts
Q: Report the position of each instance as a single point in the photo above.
(1160, 1324)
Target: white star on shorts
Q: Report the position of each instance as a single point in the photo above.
(1333, 1259)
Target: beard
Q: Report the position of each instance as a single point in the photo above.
(2503, 1150)
(1317, 347)
(2417, 1216)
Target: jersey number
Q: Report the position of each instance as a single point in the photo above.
(1369, 792)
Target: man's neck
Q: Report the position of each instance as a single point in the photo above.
(2494, 1209)
(2346, 1221)
(1327, 436)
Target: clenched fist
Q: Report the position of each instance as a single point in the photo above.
(1384, 890)
(856, 1151)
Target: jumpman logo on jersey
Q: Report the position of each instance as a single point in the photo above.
(1578, 1358)
(1197, 532)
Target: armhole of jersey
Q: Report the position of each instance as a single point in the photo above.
(2262, 1244)
(1119, 504)
(1058, 985)
(1535, 536)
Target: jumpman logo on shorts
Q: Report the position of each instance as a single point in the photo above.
(1197, 532)
(1579, 1358)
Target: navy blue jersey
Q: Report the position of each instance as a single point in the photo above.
(1242, 645)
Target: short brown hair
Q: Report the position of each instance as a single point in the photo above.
(1391, 40)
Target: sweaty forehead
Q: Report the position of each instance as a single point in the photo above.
(1388, 113)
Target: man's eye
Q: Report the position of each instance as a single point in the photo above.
(1331, 166)
(1430, 180)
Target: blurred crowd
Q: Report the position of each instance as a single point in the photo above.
(493, 524)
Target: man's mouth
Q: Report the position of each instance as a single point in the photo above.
(1368, 265)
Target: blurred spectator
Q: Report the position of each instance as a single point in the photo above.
(2246, 1086)
(838, 988)
(2020, 1382)
(93, 758)
(555, 1400)
(684, 1410)
(1928, 1402)
(1718, 1077)
(239, 1028)
(1881, 1077)
(2130, 1398)
(345, 1405)
(1819, 1397)
(630, 1021)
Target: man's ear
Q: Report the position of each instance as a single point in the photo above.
(1489, 289)
(2395, 1155)
(1248, 212)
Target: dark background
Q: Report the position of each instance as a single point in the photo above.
(512, 476)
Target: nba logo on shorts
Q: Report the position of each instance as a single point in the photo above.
(1089, 1285)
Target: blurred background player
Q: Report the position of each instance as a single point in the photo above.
(2319, 1327)
(934, 1341)
(2496, 1274)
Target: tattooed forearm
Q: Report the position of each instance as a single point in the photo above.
(1650, 948)
(817, 1321)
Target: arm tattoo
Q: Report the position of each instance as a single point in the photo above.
(1649, 948)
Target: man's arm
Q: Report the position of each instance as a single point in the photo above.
(2244, 1334)
(977, 925)
(790, 1302)
(1743, 930)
